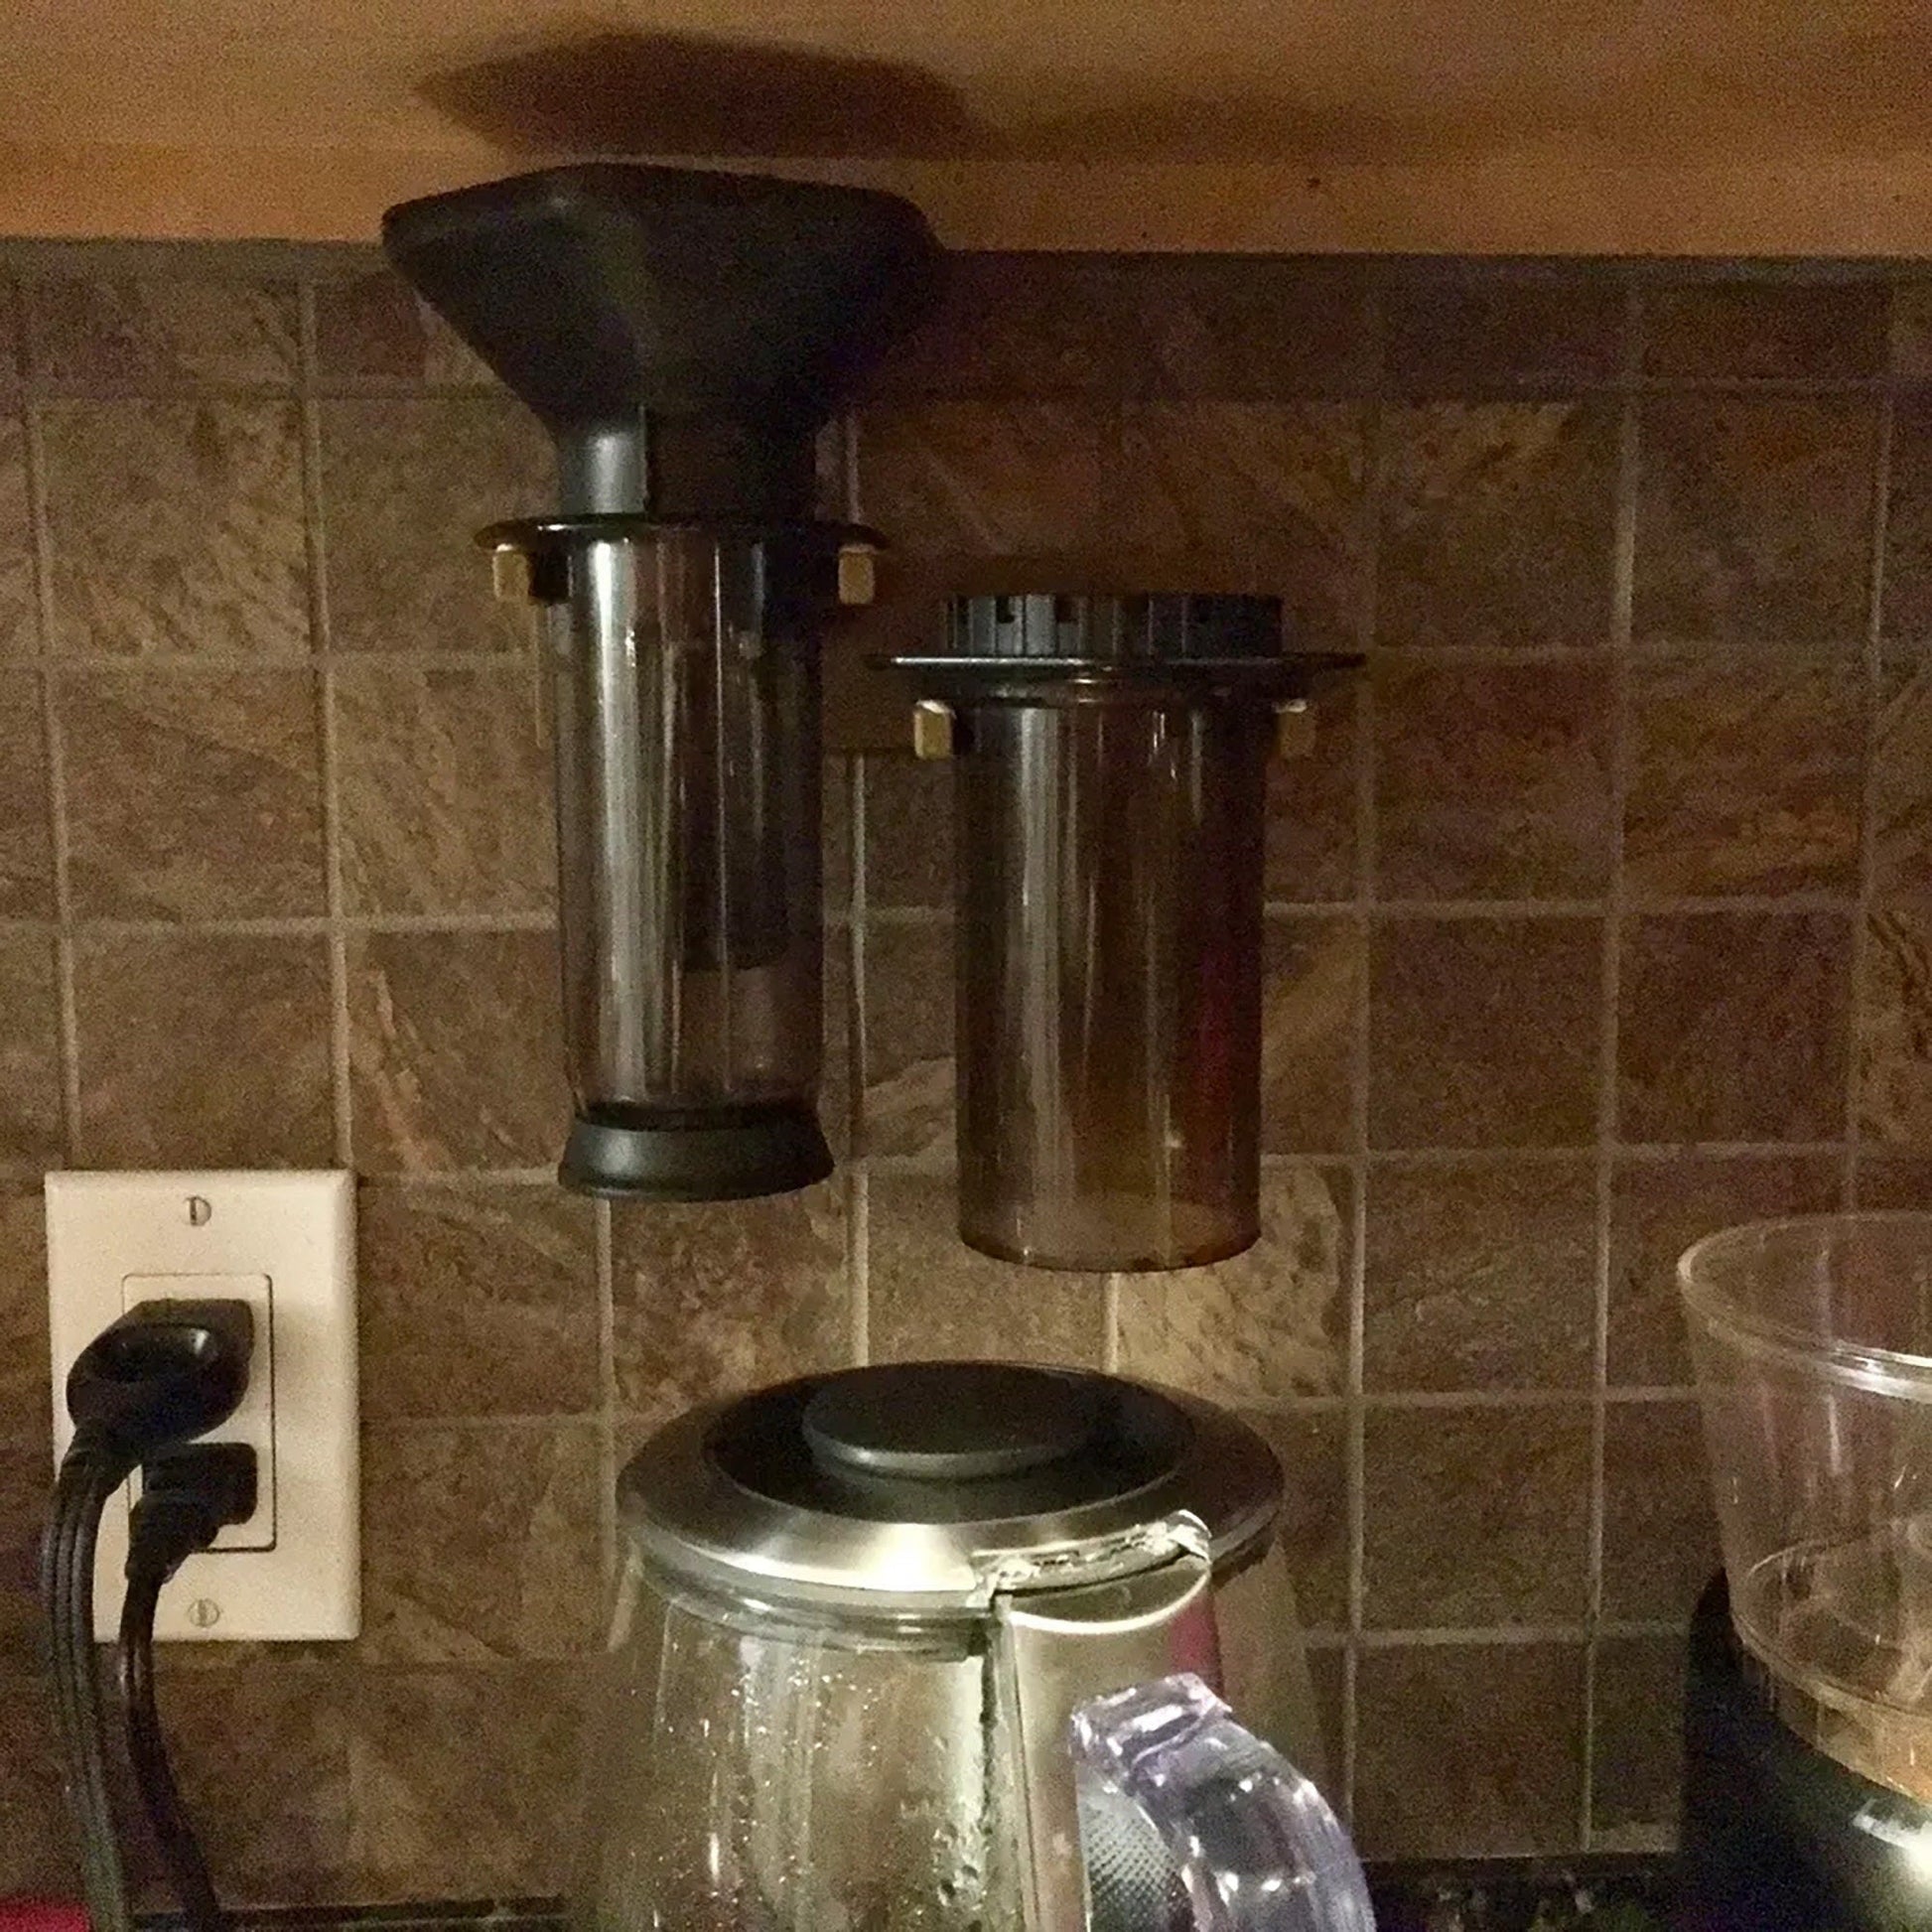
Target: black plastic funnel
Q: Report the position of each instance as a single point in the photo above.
(681, 333)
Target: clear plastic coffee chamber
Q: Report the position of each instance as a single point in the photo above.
(1110, 795)
(684, 663)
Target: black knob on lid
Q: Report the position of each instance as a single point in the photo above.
(950, 1422)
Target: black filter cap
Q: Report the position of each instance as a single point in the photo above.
(736, 1154)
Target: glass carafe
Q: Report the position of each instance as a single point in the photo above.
(917, 1649)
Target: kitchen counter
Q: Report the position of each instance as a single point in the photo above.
(1587, 1894)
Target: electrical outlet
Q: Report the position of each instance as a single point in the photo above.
(286, 1244)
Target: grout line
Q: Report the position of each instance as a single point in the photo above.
(607, 1396)
(1508, 1633)
(341, 1089)
(309, 926)
(1868, 802)
(59, 827)
(859, 1171)
(1622, 604)
(1360, 1051)
(232, 661)
(1109, 1317)
(1381, 1400)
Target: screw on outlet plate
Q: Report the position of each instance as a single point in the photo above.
(204, 1613)
(201, 1210)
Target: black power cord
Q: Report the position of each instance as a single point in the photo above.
(164, 1373)
(189, 1495)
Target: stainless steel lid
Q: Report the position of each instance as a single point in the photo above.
(924, 1488)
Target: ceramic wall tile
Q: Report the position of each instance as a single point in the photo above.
(1492, 780)
(1660, 1538)
(1754, 519)
(1483, 1031)
(1735, 328)
(36, 1848)
(20, 632)
(175, 526)
(476, 1300)
(193, 794)
(1508, 1716)
(906, 1102)
(1245, 327)
(1901, 785)
(1745, 777)
(443, 791)
(150, 334)
(1474, 1517)
(1907, 604)
(261, 1752)
(1312, 835)
(975, 479)
(26, 817)
(1659, 1205)
(406, 484)
(1266, 1327)
(374, 331)
(909, 831)
(1731, 1026)
(1894, 1055)
(1247, 496)
(479, 1541)
(1497, 523)
(1315, 979)
(30, 1051)
(424, 1096)
(1548, 327)
(716, 1299)
(202, 1051)
(465, 1783)
(1479, 1275)
(930, 1296)
(1638, 1740)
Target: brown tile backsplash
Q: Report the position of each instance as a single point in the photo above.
(1832, 330)
(456, 1057)
(1463, 334)
(284, 898)
(1492, 780)
(1660, 1541)
(26, 817)
(1731, 1026)
(1266, 1327)
(444, 789)
(402, 478)
(477, 1298)
(236, 756)
(1476, 1517)
(143, 335)
(1754, 519)
(479, 1541)
(1483, 1031)
(175, 526)
(930, 1297)
(1658, 1207)
(1470, 1749)
(1479, 1275)
(201, 1049)
(1906, 608)
(1249, 496)
(708, 1300)
(1496, 524)
(1745, 777)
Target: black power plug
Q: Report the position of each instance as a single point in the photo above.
(162, 1374)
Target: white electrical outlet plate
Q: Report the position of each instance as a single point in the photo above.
(286, 1244)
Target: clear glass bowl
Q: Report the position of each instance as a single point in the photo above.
(1813, 1344)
